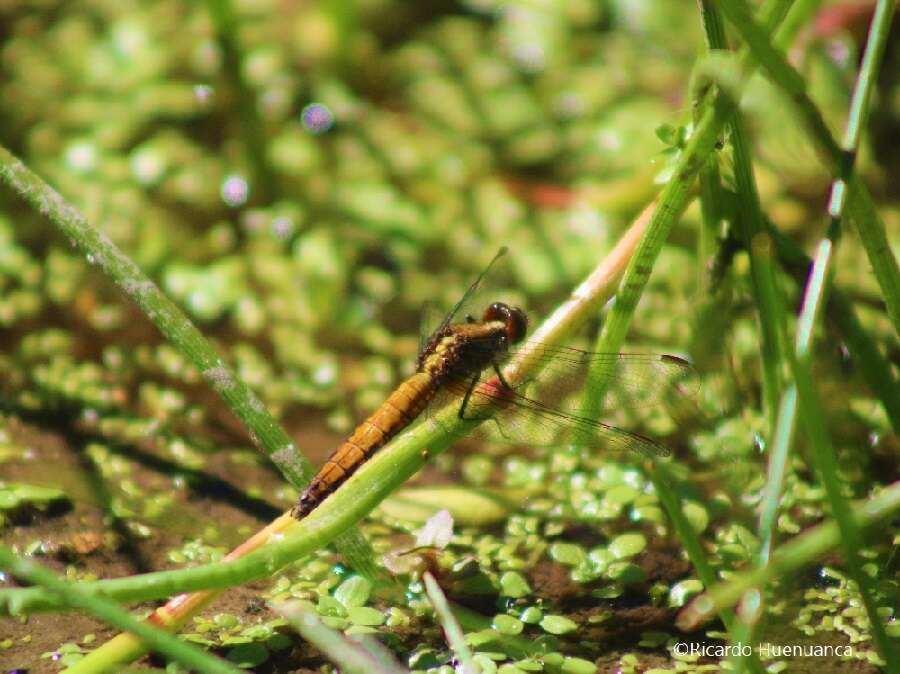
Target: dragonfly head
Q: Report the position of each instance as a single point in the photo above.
(513, 318)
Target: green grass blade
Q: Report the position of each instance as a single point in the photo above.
(872, 234)
(363, 656)
(873, 366)
(452, 631)
(662, 482)
(263, 180)
(766, 294)
(771, 60)
(804, 549)
(72, 595)
(812, 414)
(859, 202)
(163, 313)
(711, 197)
(876, 43)
(801, 13)
(711, 208)
(99, 250)
(670, 205)
(777, 468)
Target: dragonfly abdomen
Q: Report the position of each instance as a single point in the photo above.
(400, 409)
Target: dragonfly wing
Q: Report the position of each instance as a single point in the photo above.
(633, 379)
(511, 417)
(473, 302)
(431, 319)
(546, 410)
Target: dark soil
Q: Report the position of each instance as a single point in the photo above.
(84, 536)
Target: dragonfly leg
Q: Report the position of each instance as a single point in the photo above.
(500, 376)
(465, 400)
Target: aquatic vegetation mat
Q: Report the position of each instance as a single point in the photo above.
(223, 226)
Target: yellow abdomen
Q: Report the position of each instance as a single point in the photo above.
(400, 409)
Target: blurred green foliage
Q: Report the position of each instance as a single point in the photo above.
(363, 159)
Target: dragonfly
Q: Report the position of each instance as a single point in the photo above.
(460, 363)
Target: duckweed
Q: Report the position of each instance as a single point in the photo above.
(510, 669)
(577, 666)
(365, 616)
(353, 592)
(697, 515)
(248, 655)
(558, 624)
(485, 663)
(423, 658)
(625, 573)
(307, 250)
(506, 624)
(513, 584)
(568, 554)
(682, 591)
(14, 496)
(627, 545)
(531, 615)
(329, 606)
(335, 622)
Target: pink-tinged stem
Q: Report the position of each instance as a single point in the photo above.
(127, 647)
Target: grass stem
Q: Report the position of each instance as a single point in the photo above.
(264, 431)
(72, 595)
(804, 549)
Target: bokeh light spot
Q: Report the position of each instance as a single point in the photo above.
(81, 156)
(235, 191)
(317, 118)
(203, 93)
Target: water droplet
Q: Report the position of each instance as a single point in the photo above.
(838, 51)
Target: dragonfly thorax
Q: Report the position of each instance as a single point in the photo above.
(465, 349)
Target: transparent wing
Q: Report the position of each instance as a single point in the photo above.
(545, 409)
(640, 379)
(472, 302)
(431, 318)
(518, 419)
(560, 374)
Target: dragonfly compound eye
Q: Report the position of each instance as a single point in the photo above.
(514, 318)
